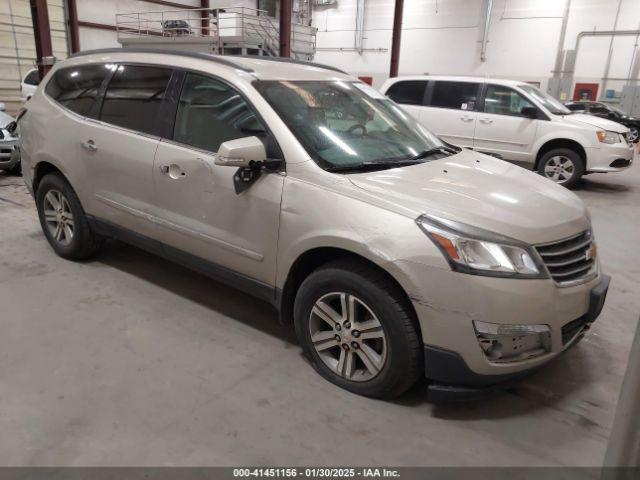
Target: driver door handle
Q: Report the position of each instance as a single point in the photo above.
(89, 145)
(466, 118)
(486, 120)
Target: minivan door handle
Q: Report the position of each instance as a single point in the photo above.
(89, 145)
(486, 120)
(466, 118)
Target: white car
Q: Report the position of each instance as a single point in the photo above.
(514, 121)
(9, 152)
(29, 84)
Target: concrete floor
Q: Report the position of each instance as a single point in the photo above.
(131, 360)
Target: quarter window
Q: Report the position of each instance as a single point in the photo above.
(134, 97)
(504, 101)
(210, 112)
(76, 88)
(32, 78)
(455, 95)
(408, 92)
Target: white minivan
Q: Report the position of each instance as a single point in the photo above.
(514, 121)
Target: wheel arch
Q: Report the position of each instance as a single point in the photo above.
(43, 168)
(314, 258)
(561, 143)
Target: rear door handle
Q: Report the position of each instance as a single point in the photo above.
(89, 145)
(486, 120)
(466, 118)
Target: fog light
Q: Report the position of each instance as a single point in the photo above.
(512, 343)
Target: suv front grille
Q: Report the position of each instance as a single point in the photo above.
(571, 259)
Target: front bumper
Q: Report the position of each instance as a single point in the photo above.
(610, 158)
(9, 156)
(452, 378)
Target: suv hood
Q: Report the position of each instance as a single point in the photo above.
(602, 123)
(482, 191)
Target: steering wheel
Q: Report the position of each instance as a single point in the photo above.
(357, 126)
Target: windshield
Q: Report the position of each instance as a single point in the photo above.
(550, 103)
(344, 124)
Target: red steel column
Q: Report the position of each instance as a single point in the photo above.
(395, 39)
(205, 17)
(285, 28)
(42, 33)
(74, 36)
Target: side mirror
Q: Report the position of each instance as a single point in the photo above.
(242, 152)
(529, 112)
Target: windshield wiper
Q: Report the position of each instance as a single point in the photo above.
(434, 151)
(380, 165)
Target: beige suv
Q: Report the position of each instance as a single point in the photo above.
(394, 254)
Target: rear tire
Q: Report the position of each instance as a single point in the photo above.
(562, 166)
(63, 220)
(373, 348)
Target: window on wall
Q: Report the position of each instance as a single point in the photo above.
(76, 88)
(407, 92)
(210, 112)
(455, 95)
(504, 101)
(134, 97)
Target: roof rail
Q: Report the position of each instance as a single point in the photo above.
(200, 55)
(290, 60)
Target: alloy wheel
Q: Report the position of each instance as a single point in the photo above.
(559, 169)
(633, 135)
(348, 337)
(58, 217)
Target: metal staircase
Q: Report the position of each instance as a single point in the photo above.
(225, 31)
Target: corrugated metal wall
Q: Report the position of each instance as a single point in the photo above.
(17, 47)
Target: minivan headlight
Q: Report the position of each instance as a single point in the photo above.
(605, 136)
(475, 251)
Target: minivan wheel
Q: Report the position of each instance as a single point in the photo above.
(63, 220)
(633, 134)
(563, 166)
(358, 330)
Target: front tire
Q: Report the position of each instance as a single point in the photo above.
(634, 134)
(562, 166)
(63, 220)
(359, 330)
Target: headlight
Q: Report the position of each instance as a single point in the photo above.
(608, 137)
(472, 250)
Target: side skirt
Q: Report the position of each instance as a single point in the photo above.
(214, 271)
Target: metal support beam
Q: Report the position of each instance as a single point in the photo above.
(205, 17)
(285, 28)
(74, 35)
(396, 36)
(485, 32)
(42, 35)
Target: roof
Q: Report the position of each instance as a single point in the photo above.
(264, 68)
(460, 78)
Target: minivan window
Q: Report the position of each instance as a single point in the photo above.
(409, 92)
(347, 125)
(501, 100)
(455, 95)
(134, 97)
(550, 103)
(76, 88)
(210, 112)
(575, 107)
(32, 78)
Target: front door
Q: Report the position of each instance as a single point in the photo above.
(198, 208)
(502, 130)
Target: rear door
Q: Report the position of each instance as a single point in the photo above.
(450, 110)
(502, 130)
(119, 146)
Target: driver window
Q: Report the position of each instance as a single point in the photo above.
(210, 112)
(504, 101)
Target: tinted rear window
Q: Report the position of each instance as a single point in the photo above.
(455, 95)
(407, 92)
(134, 97)
(32, 78)
(77, 88)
